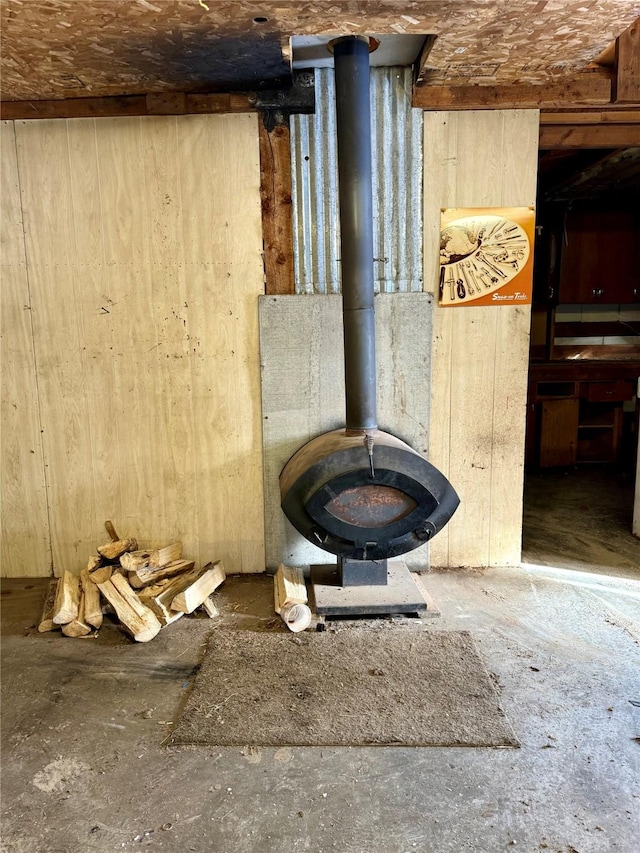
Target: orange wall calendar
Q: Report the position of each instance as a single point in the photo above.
(486, 255)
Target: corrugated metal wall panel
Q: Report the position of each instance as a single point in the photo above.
(397, 187)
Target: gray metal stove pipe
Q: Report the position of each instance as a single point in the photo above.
(353, 117)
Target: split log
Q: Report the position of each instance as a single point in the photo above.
(78, 627)
(196, 592)
(150, 597)
(132, 560)
(144, 575)
(289, 586)
(162, 601)
(65, 608)
(93, 563)
(113, 550)
(136, 617)
(290, 598)
(101, 574)
(97, 570)
(46, 620)
(108, 526)
(209, 608)
(91, 595)
(162, 556)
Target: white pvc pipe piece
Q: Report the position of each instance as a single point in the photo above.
(297, 617)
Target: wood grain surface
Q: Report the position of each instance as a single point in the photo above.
(25, 521)
(143, 245)
(480, 355)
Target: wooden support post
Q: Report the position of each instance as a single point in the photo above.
(626, 82)
(277, 225)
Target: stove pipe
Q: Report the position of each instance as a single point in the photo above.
(360, 493)
(353, 118)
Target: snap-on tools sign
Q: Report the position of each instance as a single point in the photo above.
(486, 256)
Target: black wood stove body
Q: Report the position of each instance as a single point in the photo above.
(360, 493)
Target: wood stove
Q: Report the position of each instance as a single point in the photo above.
(360, 493)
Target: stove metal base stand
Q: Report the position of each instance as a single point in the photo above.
(362, 572)
(399, 595)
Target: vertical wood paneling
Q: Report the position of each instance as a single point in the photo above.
(224, 276)
(127, 308)
(93, 303)
(480, 355)
(43, 163)
(144, 239)
(26, 546)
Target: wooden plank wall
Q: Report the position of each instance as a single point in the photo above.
(25, 522)
(480, 356)
(143, 251)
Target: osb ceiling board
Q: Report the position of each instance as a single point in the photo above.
(70, 48)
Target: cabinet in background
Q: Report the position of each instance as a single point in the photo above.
(599, 258)
(573, 421)
(558, 432)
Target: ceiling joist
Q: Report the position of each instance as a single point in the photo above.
(173, 103)
(613, 127)
(583, 89)
(573, 136)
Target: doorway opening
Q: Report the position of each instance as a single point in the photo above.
(584, 365)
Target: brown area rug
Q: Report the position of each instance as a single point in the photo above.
(351, 688)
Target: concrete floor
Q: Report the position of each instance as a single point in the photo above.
(85, 768)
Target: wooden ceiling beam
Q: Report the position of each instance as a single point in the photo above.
(608, 128)
(621, 115)
(555, 136)
(585, 89)
(626, 82)
(172, 103)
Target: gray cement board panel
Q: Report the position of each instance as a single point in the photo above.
(303, 391)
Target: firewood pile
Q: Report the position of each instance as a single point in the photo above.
(146, 590)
